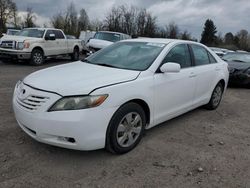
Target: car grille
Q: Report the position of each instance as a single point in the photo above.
(32, 102)
(8, 44)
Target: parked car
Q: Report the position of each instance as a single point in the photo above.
(239, 68)
(36, 44)
(110, 98)
(85, 36)
(103, 39)
(220, 51)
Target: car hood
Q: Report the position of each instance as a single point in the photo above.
(238, 65)
(97, 43)
(18, 38)
(78, 78)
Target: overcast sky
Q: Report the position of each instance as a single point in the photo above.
(228, 15)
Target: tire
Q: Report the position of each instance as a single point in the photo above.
(216, 97)
(75, 55)
(37, 57)
(123, 133)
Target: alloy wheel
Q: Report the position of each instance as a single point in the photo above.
(129, 129)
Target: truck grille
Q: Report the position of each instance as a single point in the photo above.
(32, 102)
(8, 44)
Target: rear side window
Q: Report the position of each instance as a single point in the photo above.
(211, 58)
(58, 34)
(200, 55)
(179, 54)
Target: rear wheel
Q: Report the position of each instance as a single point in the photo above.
(126, 128)
(75, 55)
(216, 97)
(37, 57)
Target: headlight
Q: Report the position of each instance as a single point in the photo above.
(22, 45)
(18, 83)
(78, 102)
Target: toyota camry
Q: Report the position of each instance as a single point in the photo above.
(110, 98)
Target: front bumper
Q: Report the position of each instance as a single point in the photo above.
(14, 54)
(79, 129)
(239, 78)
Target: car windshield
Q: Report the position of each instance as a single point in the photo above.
(127, 55)
(112, 37)
(36, 33)
(12, 32)
(237, 57)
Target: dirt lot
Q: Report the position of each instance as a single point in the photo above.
(199, 149)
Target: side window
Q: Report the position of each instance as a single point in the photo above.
(179, 54)
(211, 58)
(48, 33)
(58, 34)
(200, 55)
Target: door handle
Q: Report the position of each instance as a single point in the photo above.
(192, 75)
(217, 68)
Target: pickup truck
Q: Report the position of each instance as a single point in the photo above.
(37, 44)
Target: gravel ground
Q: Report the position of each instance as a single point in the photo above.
(199, 149)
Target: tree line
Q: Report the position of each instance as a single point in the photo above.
(126, 19)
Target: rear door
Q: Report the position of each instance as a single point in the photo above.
(206, 73)
(61, 41)
(174, 92)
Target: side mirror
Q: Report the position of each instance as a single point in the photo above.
(170, 67)
(51, 37)
(89, 39)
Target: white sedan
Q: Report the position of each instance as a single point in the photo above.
(110, 98)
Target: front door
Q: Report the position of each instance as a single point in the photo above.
(174, 92)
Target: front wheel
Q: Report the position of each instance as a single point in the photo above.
(37, 57)
(216, 97)
(125, 128)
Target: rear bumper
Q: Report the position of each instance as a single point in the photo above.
(9, 54)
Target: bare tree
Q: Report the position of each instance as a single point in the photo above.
(83, 21)
(229, 38)
(131, 20)
(172, 30)
(242, 36)
(58, 21)
(29, 18)
(185, 35)
(96, 25)
(7, 7)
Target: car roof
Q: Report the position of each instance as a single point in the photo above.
(41, 28)
(161, 40)
(111, 32)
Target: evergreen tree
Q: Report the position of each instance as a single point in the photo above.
(208, 36)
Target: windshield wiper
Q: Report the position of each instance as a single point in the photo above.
(237, 60)
(86, 60)
(106, 65)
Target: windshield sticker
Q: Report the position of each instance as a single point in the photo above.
(156, 44)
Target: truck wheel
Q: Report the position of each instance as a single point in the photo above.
(37, 57)
(75, 54)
